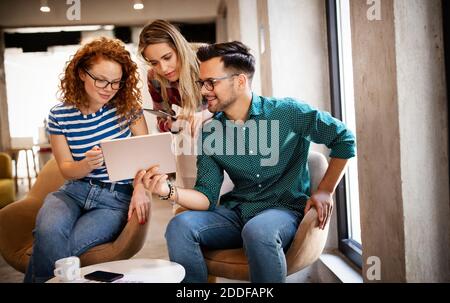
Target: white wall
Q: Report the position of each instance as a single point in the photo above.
(249, 36)
(298, 41)
(241, 23)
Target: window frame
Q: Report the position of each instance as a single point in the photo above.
(350, 248)
(446, 36)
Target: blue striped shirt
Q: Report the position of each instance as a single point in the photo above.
(83, 132)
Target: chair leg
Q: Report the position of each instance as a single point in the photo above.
(34, 164)
(28, 169)
(212, 279)
(16, 178)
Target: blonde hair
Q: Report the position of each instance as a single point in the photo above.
(161, 31)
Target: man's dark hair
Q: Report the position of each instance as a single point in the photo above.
(235, 56)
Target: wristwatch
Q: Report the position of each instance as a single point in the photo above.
(171, 191)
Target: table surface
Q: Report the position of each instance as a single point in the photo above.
(136, 271)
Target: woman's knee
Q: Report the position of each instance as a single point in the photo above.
(48, 229)
(51, 220)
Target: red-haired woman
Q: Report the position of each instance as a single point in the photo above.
(100, 100)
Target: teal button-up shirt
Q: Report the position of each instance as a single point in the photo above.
(266, 157)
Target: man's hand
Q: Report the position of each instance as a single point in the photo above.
(154, 182)
(322, 201)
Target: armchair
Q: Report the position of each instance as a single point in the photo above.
(7, 187)
(305, 249)
(17, 221)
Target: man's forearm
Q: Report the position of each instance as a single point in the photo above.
(333, 175)
(191, 199)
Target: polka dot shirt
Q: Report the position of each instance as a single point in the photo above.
(266, 157)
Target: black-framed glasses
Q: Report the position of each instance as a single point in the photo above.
(209, 83)
(101, 83)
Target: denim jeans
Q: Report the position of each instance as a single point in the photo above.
(73, 219)
(265, 238)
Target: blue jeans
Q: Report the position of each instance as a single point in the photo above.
(73, 219)
(265, 238)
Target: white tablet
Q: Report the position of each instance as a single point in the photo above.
(125, 157)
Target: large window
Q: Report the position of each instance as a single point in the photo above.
(342, 94)
(45, 53)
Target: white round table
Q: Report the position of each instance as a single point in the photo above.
(136, 271)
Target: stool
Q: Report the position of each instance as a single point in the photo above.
(22, 144)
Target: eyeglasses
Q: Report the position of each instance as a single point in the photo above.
(210, 83)
(100, 83)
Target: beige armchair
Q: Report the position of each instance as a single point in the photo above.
(7, 187)
(305, 249)
(17, 221)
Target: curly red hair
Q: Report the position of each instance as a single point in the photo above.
(128, 99)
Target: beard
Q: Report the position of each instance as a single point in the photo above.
(221, 104)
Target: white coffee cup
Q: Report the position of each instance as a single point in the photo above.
(68, 269)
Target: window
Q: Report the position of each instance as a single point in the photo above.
(342, 97)
(30, 98)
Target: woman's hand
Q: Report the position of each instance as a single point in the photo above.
(94, 158)
(168, 123)
(140, 202)
(322, 201)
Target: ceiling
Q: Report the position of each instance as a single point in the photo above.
(26, 13)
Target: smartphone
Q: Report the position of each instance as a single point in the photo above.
(160, 113)
(103, 276)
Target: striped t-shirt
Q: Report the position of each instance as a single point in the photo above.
(83, 132)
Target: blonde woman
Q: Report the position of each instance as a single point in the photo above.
(172, 74)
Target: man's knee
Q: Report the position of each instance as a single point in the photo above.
(179, 225)
(257, 232)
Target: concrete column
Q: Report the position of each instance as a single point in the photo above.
(402, 145)
(423, 124)
(299, 52)
(5, 139)
(221, 23)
